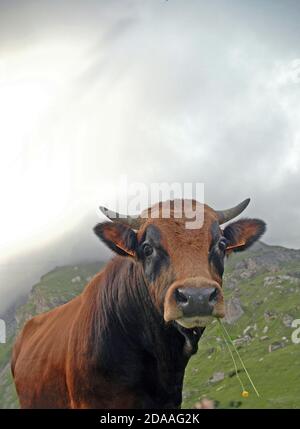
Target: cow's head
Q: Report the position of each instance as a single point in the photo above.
(182, 267)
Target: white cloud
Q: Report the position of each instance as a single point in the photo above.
(159, 92)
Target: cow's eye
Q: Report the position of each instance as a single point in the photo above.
(147, 249)
(223, 244)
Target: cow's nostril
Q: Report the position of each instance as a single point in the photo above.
(213, 297)
(180, 296)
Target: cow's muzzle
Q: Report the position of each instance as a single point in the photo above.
(194, 302)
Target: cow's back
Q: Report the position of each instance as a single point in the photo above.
(39, 358)
(53, 365)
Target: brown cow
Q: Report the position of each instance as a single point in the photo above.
(126, 340)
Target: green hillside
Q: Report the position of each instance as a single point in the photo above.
(262, 287)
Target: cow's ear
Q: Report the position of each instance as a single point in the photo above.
(243, 233)
(118, 237)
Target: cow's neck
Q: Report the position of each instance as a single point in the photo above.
(131, 341)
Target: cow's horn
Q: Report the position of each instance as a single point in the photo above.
(226, 215)
(133, 221)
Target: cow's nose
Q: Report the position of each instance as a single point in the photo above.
(196, 301)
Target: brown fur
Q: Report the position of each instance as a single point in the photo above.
(50, 359)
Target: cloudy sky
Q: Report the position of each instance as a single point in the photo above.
(176, 91)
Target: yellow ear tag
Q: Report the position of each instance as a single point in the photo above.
(129, 252)
(245, 394)
(235, 246)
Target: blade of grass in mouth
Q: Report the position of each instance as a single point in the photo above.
(224, 334)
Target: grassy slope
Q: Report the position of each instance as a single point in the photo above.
(276, 374)
(8, 396)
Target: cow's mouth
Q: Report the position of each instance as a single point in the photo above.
(191, 336)
(195, 322)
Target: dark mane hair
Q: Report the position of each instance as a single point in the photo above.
(129, 339)
(124, 311)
